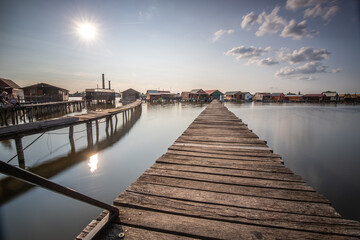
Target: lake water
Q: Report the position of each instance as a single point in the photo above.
(318, 142)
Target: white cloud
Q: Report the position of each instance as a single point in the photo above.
(336, 70)
(267, 62)
(247, 52)
(315, 8)
(307, 68)
(304, 54)
(296, 4)
(295, 30)
(270, 23)
(248, 19)
(218, 34)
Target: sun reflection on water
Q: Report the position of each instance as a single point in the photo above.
(93, 162)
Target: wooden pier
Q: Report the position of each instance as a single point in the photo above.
(30, 112)
(219, 181)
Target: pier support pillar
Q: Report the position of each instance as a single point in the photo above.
(97, 130)
(71, 138)
(89, 134)
(20, 152)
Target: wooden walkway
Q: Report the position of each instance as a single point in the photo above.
(219, 181)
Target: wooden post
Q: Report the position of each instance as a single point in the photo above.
(97, 130)
(111, 124)
(89, 134)
(71, 138)
(107, 127)
(116, 121)
(20, 152)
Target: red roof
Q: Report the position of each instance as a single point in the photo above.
(210, 91)
(313, 95)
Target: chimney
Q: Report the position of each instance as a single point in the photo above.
(103, 81)
(109, 85)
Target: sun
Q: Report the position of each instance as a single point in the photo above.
(87, 31)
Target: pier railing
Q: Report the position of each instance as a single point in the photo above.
(37, 180)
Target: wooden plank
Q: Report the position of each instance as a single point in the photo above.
(224, 156)
(254, 173)
(241, 201)
(240, 181)
(220, 140)
(225, 149)
(209, 229)
(284, 194)
(270, 167)
(235, 215)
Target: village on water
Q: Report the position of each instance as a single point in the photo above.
(12, 94)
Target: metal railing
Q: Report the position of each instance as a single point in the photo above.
(37, 180)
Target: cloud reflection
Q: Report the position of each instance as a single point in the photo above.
(93, 162)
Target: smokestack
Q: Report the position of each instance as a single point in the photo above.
(109, 85)
(103, 81)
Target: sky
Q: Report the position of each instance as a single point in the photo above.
(309, 46)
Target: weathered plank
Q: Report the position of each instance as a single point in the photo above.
(210, 229)
(232, 214)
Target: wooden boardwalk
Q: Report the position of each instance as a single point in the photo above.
(219, 181)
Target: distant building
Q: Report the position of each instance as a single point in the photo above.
(262, 96)
(11, 88)
(233, 96)
(196, 95)
(330, 96)
(247, 96)
(214, 94)
(315, 98)
(155, 95)
(100, 94)
(294, 97)
(130, 95)
(278, 97)
(43, 92)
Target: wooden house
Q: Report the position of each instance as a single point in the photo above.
(11, 88)
(233, 96)
(43, 92)
(214, 94)
(198, 95)
(330, 96)
(315, 98)
(155, 95)
(294, 97)
(262, 96)
(247, 96)
(100, 94)
(277, 97)
(130, 95)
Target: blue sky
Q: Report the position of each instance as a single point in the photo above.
(275, 46)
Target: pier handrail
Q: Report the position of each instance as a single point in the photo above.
(37, 180)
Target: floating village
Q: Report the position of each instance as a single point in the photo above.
(218, 180)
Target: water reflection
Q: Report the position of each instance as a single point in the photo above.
(93, 162)
(11, 187)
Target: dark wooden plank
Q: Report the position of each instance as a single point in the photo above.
(239, 215)
(230, 172)
(224, 156)
(232, 180)
(241, 201)
(210, 229)
(284, 194)
(268, 166)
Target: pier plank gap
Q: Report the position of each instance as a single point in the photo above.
(219, 181)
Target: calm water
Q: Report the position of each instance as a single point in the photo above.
(320, 143)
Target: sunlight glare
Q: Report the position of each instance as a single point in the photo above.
(93, 162)
(87, 31)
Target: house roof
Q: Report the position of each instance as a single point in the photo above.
(276, 94)
(212, 91)
(233, 92)
(130, 90)
(10, 83)
(330, 94)
(264, 93)
(44, 85)
(293, 95)
(313, 95)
